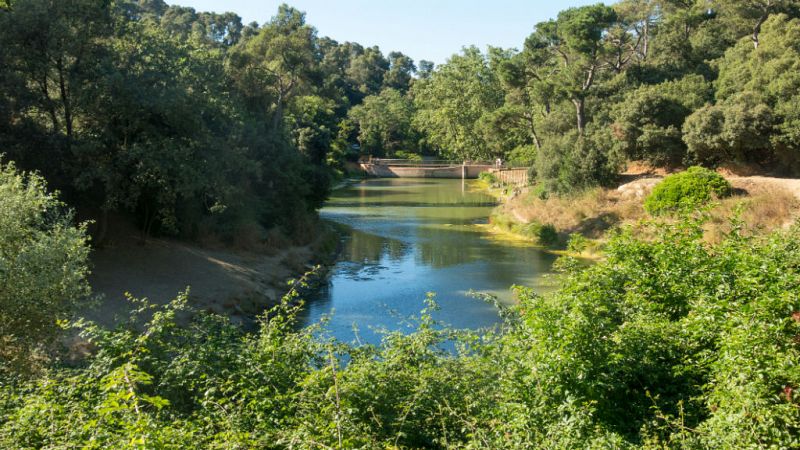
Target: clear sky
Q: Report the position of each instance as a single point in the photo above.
(422, 29)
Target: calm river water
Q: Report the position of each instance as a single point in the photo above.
(407, 237)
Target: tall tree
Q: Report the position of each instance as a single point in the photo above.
(750, 15)
(574, 48)
(401, 69)
(384, 123)
(452, 102)
(367, 70)
(278, 63)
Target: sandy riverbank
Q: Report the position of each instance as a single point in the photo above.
(236, 283)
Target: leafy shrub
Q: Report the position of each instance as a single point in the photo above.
(696, 348)
(488, 178)
(686, 190)
(543, 234)
(411, 156)
(573, 162)
(43, 267)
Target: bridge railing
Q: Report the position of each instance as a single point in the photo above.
(424, 163)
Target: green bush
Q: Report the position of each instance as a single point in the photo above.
(488, 178)
(686, 190)
(411, 156)
(43, 268)
(543, 234)
(574, 162)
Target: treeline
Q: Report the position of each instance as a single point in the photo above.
(189, 122)
(671, 82)
(196, 123)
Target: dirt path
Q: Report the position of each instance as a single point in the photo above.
(789, 184)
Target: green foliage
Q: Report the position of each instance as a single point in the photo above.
(648, 122)
(384, 123)
(451, 103)
(408, 155)
(488, 178)
(734, 130)
(523, 156)
(756, 113)
(543, 234)
(575, 162)
(686, 191)
(666, 343)
(43, 268)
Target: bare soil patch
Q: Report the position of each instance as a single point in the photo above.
(239, 284)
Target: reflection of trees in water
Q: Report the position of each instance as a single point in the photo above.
(370, 248)
(392, 193)
(507, 263)
(442, 247)
(445, 247)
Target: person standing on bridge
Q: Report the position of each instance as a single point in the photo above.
(498, 163)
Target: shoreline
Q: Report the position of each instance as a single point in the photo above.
(240, 285)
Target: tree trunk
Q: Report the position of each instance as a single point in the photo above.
(580, 113)
(102, 230)
(148, 222)
(51, 110)
(757, 28)
(646, 39)
(62, 83)
(534, 135)
(277, 116)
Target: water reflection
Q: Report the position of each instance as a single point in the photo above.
(408, 237)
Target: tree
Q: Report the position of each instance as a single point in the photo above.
(731, 131)
(401, 69)
(278, 63)
(755, 118)
(43, 267)
(425, 69)
(384, 123)
(56, 46)
(648, 122)
(575, 51)
(367, 70)
(750, 15)
(452, 102)
(640, 17)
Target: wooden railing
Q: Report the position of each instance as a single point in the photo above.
(517, 177)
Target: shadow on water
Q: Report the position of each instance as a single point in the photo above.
(395, 251)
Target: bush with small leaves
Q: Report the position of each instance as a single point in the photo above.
(686, 190)
(43, 268)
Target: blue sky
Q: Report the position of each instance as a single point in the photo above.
(422, 29)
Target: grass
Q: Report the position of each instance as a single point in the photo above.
(762, 207)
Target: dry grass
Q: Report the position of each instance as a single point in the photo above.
(763, 204)
(590, 213)
(763, 207)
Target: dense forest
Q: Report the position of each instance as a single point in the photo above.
(195, 123)
(189, 123)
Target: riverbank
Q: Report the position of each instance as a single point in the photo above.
(239, 284)
(579, 224)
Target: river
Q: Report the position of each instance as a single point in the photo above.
(408, 237)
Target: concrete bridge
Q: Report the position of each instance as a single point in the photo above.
(403, 168)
